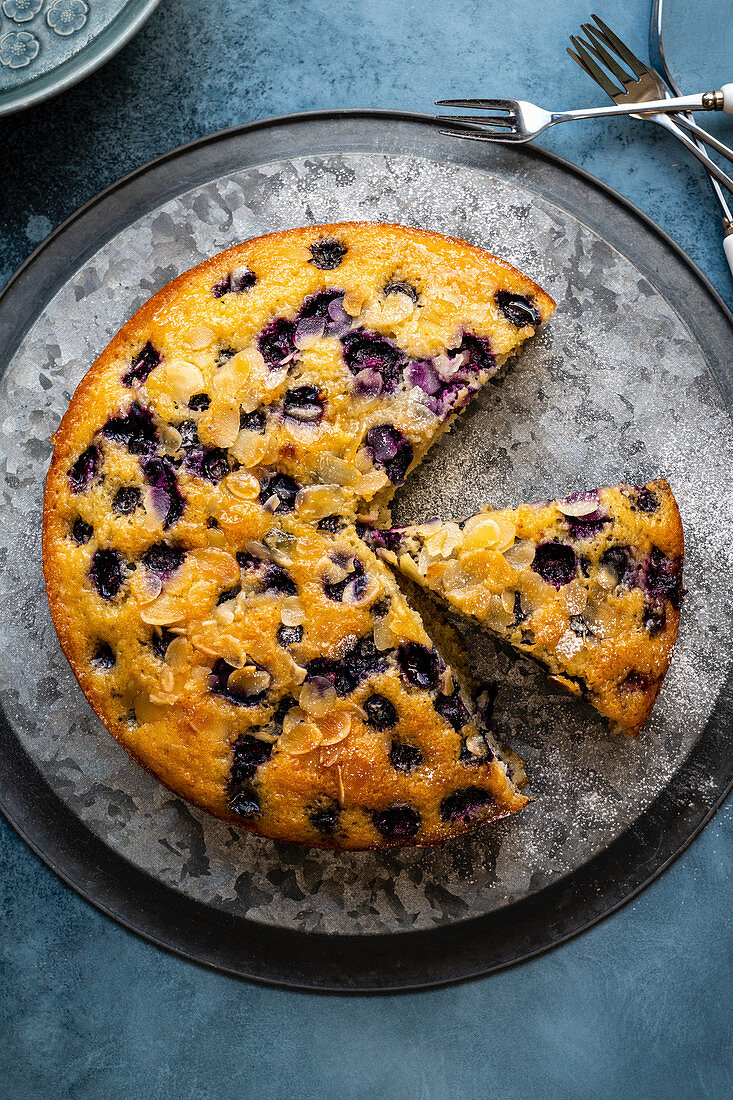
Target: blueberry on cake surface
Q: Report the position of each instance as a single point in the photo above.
(204, 573)
(591, 586)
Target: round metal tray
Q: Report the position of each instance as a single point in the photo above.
(323, 166)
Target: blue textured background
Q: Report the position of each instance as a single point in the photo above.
(641, 1005)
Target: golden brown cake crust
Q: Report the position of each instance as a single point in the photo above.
(145, 633)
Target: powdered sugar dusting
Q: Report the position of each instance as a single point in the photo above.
(615, 389)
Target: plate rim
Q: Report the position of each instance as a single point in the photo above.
(335, 963)
(72, 69)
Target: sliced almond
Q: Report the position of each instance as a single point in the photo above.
(249, 448)
(476, 744)
(291, 612)
(145, 585)
(313, 502)
(396, 308)
(242, 485)
(520, 554)
(184, 379)
(577, 508)
(250, 680)
(315, 701)
(383, 635)
(176, 655)
(163, 612)
(219, 426)
(408, 567)
(299, 736)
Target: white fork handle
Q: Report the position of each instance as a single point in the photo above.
(679, 133)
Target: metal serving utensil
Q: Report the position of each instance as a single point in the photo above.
(645, 86)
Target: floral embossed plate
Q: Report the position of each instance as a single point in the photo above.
(628, 380)
(47, 45)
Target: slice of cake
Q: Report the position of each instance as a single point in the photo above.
(232, 631)
(590, 586)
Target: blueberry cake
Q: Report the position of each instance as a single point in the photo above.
(590, 586)
(204, 571)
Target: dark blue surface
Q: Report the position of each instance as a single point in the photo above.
(641, 1005)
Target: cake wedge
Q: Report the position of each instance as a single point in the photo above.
(590, 586)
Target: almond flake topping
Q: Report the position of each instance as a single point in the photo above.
(577, 508)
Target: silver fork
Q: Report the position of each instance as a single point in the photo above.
(524, 121)
(644, 86)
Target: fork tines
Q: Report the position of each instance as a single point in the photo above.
(499, 124)
(602, 40)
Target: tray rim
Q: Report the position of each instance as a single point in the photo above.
(345, 970)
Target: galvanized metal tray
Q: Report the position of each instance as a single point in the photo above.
(628, 381)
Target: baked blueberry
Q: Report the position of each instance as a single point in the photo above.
(304, 404)
(390, 450)
(161, 639)
(249, 754)
(404, 757)
(199, 402)
(163, 559)
(620, 562)
(189, 432)
(228, 594)
(126, 500)
(245, 804)
(654, 619)
(480, 355)
(663, 577)
(277, 579)
(419, 665)
(381, 713)
(285, 488)
(142, 366)
(451, 707)
(84, 470)
(397, 822)
(106, 573)
(368, 351)
(556, 563)
(219, 685)
(289, 635)
(276, 341)
(253, 421)
(326, 254)
(235, 282)
(325, 818)
(134, 429)
(517, 308)
(104, 657)
(352, 587)
(224, 355)
(465, 805)
(168, 500)
(361, 660)
(81, 532)
(331, 524)
(398, 286)
(646, 500)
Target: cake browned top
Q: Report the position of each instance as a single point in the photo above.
(206, 581)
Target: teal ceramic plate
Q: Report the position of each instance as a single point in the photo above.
(47, 45)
